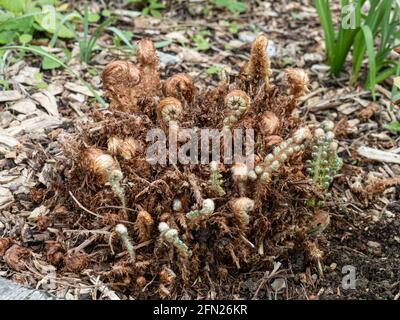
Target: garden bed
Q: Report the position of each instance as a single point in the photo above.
(61, 225)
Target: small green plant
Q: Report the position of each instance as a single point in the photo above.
(151, 7)
(121, 36)
(374, 34)
(215, 181)
(20, 20)
(213, 70)
(171, 236)
(393, 126)
(233, 6)
(207, 208)
(200, 40)
(4, 85)
(325, 162)
(233, 26)
(122, 232)
(87, 42)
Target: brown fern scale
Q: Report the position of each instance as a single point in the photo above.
(250, 227)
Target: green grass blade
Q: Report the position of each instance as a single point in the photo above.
(65, 18)
(369, 41)
(359, 47)
(121, 35)
(84, 43)
(395, 89)
(385, 25)
(96, 34)
(324, 13)
(345, 38)
(383, 75)
(344, 42)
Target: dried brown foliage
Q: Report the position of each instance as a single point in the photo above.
(258, 67)
(55, 253)
(121, 82)
(75, 262)
(373, 187)
(5, 243)
(143, 225)
(253, 222)
(17, 257)
(179, 86)
(367, 112)
(128, 85)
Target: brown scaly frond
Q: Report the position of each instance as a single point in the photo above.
(143, 225)
(179, 86)
(121, 84)
(148, 65)
(258, 67)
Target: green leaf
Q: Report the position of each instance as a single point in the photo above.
(7, 36)
(162, 44)
(49, 21)
(50, 64)
(4, 84)
(227, 47)
(22, 24)
(106, 13)
(60, 25)
(41, 85)
(213, 70)
(25, 38)
(202, 44)
(154, 4)
(393, 127)
(155, 13)
(233, 6)
(233, 27)
(369, 41)
(38, 77)
(15, 6)
(145, 11)
(6, 16)
(93, 17)
(324, 13)
(125, 36)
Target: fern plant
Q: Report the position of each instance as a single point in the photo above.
(325, 162)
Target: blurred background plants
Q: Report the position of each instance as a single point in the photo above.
(148, 7)
(375, 34)
(21, 20)
(37, 26)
